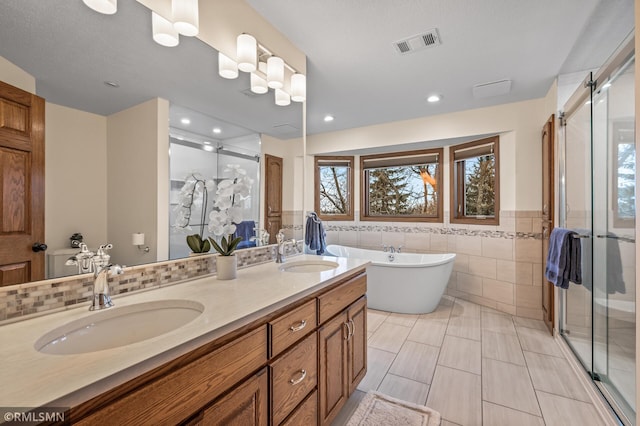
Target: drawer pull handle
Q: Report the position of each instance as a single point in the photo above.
(298, 327)
(348, 336)
(303, 374)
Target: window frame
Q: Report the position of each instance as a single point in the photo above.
(364, 190)
(350, 162)
(457, 191)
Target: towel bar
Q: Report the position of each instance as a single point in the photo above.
(615, 237)
(581, 236)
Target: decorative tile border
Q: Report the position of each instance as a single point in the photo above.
(24, 301)
(427, 230)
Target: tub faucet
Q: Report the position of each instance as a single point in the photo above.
(101, 266)
(281, 244)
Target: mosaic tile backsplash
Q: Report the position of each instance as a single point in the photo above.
(24, 301)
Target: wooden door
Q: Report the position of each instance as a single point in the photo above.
(357, 343)
(246, 405)
(21, 186)
(333, 374)
(273, 196)
(547, 216)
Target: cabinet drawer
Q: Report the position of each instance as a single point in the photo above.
(336, 300)
(292, 326)
(294, 375)
(306, 414)
(176, 396)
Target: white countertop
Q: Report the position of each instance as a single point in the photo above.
(33, 379)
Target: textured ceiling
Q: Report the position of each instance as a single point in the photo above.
(353, 69)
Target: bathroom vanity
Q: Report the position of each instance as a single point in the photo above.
(282, 344)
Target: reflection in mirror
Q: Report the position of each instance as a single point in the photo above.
(197, 164)
(108, 88)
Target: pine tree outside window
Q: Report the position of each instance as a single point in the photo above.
(334, 188)
(402, 186)
(475, 188)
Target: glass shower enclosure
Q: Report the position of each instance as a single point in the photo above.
(597, 318)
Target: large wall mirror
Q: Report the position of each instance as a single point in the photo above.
(115, 104)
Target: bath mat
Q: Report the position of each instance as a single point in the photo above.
(377, 409)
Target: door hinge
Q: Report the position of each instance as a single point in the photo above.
(594, 376)
(561, 119)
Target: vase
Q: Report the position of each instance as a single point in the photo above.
(227, 267)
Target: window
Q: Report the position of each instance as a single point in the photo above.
(402, 186)
(334, 188)
(475, 188)
(624, 185)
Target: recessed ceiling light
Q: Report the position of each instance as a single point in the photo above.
(328, 118)
(217, 130)
(606, 85)
(112, 84)
(434, 98)
(206, 143)
(208, 148)
(185, 121)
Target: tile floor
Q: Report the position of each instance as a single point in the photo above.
(474, 365)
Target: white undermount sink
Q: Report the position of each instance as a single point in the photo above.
(309, 266)
(119, 326)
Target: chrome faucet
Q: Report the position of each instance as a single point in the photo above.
(391, 249)
(101, 266)
(83, 260)
(281, 244)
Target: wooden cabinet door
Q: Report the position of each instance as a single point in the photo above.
(357, 343)
(273, 196)
(333, 374)
(246, 405)
(21, 185)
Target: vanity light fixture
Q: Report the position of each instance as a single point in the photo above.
(275, 73)
(282, 97)
(185, 17)
(434, 98)
(258, 84)
(164, 33)
(108, 7)
(247, 51)
(217, 130)
(298, 87)
(227, 67)
(267, 71)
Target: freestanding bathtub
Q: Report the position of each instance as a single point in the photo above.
(408, 283)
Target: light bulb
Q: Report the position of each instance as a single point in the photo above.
(164, 32)
(282, 98)
(275, 72)
(227, 67)
(185, 16)
(108, 7)
(298, 88)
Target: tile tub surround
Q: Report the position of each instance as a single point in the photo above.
(496, 266)
(39, 379)
(25, 301)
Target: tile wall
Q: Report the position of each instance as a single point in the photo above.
(496, 266)
(24, 301)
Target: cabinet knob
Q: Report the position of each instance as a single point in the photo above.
(303, 374)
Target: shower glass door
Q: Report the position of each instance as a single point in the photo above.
(577, 321)
(614, 243)
(598, 317)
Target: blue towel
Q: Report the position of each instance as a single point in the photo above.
(314, 235)
(245, 229)
(563, 259)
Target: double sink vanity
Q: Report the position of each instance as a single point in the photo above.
(281, 344)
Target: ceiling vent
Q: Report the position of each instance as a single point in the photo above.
(495, 88)
(418, 42)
